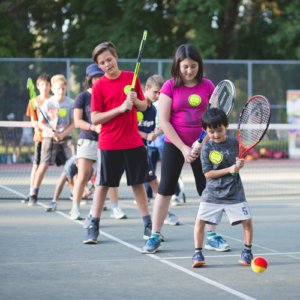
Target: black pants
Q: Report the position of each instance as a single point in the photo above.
(171, 166)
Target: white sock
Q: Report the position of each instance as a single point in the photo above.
(54, 200)
(76, 205)
(114, 205)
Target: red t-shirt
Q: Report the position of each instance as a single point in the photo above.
(120, 132)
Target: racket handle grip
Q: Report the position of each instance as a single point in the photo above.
(131, 90)
(234, 174)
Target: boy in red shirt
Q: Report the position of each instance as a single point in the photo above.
(119, 138)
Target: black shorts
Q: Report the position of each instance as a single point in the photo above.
(37, 152)
(109, 164)
(171, 166)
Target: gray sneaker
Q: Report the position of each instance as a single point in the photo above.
(52, 206)
(175, 201)
(171, 219)
(88, 221)
(32, 200)
(92, 234)
(104, 207)
(25, 200)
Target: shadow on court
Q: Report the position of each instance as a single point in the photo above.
(43, 257)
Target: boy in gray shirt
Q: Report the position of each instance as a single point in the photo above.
(223, 191)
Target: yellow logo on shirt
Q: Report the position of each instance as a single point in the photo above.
(194, 100)
(140, 116)
(215, 157)
(127, 89)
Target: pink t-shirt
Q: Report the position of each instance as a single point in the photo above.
(188, 105)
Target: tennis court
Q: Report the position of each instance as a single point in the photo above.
(43, 255)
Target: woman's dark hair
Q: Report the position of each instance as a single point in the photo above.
(88, 81)
(214, 118)
(186, 51)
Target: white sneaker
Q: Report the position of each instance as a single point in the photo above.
(75, 214)
(134, 202)
(171, 219)
(175, 201)
(149, 201)
(117, 213)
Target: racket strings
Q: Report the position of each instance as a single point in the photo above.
(254, 121)
(223, 97)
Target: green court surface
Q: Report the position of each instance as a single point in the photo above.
(43, 257)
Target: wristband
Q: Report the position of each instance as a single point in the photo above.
(146, 136)
(90, 127)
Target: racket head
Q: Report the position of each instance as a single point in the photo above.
(223, 96)
(31, 92)
(253, 123)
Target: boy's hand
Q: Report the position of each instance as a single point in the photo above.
(86, 194)
(234, 169)
(127, 105)
(188, 154)
(151, 136)
(158, 131)
(55, 136)
(240, 162)
(97, 129)
(132, 96)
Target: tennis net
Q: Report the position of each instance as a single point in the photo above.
(272, 167)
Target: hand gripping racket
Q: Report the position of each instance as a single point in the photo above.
(139, 59)
(253, 123)
(33, 101)
(223, 97)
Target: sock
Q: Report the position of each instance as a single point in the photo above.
(198, 250)
(30, 191)
(114, 205)
(248, 248)
(147, 221)
(54, 200)
(76, 205)
(155, 233)
(35, 191)
(91, 211)
(211, 233)
(96, 221)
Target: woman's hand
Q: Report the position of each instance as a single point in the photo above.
(188, 154)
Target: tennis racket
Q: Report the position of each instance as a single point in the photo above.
(253, 123)
(139, 59)
(33, 101)
(223, 97)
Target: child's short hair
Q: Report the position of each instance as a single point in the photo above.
(155, 80)
(59, 78)
(104, 47)
(43, 77)
(214, 118)
(186, 51)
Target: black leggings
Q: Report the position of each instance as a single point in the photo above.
(171, 166)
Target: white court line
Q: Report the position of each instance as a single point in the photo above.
(213, 256)
(202, 278)
(12, 191)
(229, 237)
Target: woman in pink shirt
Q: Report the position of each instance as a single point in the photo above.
(182, 101)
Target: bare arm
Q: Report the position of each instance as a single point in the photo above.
(68, 129)
(79, 122)
(140, 105)
(230, 170)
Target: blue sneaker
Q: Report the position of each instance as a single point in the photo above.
(246, 258)
(198, 260)
(151, 246)
(92, 234)
(216, 243)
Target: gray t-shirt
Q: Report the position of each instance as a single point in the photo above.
(226, 189)
(58, 114)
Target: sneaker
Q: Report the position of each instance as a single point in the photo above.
(117, 213)
(246, 258)
(25, 200)
(88, 221)
(149, 201)
(104, 207)
(151, 246)
(198, 260)
(71, 196)
(32, 200)
(148, 232)
(216, 243)
(175, 201)
(171, 219)
(84, 202)
(52, 206)
(92, 234)
(75, 214)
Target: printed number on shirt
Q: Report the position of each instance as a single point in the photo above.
(245, 210)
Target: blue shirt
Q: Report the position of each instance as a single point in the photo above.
(83, 101)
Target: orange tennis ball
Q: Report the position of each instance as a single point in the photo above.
(259, 264)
